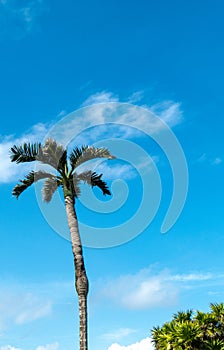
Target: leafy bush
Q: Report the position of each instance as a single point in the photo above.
(192, 331)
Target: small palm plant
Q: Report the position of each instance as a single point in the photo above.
(68, 178)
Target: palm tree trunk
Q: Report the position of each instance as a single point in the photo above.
(81, 281)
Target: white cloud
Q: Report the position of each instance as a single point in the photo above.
(205, 158)
(18, 306)
(217, 161)
(144, 291)
(118, 334)
(33, 309)
(191, 277)
(10, 172)
(104, 121)
(144, 344)
(168, 111)
(25, 303)
(147, 289)
(137, 96)
(100, 97)
(54, 346)
(95, 114)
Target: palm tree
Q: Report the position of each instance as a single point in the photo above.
(192, 331)
(68, 178)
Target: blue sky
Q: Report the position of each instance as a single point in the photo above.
(165, 56)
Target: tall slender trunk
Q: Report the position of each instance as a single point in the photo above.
(81, 281)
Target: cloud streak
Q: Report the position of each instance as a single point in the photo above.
(22, 304)
(147, 289)
(169, 111)
(118, 334)
(100, 97)
(212, 160)
(20, 307)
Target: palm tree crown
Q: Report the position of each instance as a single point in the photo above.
(66, 166)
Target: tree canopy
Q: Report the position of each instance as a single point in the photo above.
(192, 330)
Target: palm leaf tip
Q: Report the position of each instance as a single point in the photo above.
(23, 184)
(97, 181)
(30, 178)
(17, 191)
(24, 153)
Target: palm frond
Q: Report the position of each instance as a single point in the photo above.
(30, 178)
(49, 188)
(93, 179)
(25, 153)
(76, 153)
(53, 154)
(86, 153)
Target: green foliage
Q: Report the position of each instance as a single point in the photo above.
(30, 178)
(56, 156)
(192, 331)
(92, 179)
(86, 153)
(25, 153)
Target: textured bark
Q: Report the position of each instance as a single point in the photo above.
(81, 281)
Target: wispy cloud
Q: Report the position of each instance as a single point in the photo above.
(27, 303)
(97, 114)
(147, 289)
(191, 277)
(19, 307)
(217, 161)
(118, 334)
(100, 97)
(18, 18)
(167, 110)
(54, 346)
(136, 97)
(116, 120)
(144, 344)
(212, 160)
